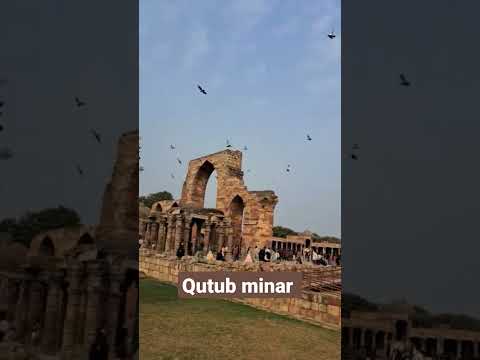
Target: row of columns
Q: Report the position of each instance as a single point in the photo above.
(167, 233)
(287, 245)
(69, 308)
(381, 341)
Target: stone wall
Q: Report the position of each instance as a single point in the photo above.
(319, 308)
(233, 197)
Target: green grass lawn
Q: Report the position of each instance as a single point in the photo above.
(172, 328)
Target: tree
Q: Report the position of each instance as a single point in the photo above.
(150, 199)
(33, 223)
(280, 231)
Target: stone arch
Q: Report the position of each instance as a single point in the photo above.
(200, 183)
(236, 211)
(158, 207)
(47, 248)
(86, 239)
(174, 205)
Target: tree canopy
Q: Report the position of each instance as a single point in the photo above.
(150, 199)
(33, 223)
(280, 231)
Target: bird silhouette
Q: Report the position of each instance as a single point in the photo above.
(172, 176)
(201, 90)
(309, 138)
(79, 102)
(2, 103)
(248, 170)
(172, 147)
(404, 81)
(79, 170)
(96, 135)
(5, 154)
(1, 127)
(245, 148)
(141, 168)
(331, 35)
(354, 157)
(228, 144)
(179, 161)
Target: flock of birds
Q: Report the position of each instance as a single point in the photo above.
(6, 153)
(353, 154)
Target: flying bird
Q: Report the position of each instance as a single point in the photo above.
(404, 81)
(179, 161)
(288, 168)
(141, 168)
(172, 147)
(309, 138)
(245, 148)
(228, 144)
(248, 170)
(172, 176)
(331, 35)
(79, 170)
(1, 127)
(2, 103)
(201, 90)
(96, 135)
(79, 102)
(5, 154)
(354, 157)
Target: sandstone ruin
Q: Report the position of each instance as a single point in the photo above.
(73, 281)
(242, 219)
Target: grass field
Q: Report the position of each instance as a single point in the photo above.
(172, 328)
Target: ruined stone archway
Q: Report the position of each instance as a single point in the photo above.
(200, 183)
(46, 247)
(236, 211)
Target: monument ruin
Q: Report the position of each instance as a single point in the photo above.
(241, 219)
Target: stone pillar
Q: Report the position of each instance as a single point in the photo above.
(12, 297)
(178, 233)
(208, 228)
(52, 315)
(114, 306)
(94, 288)
(21, 309)
(146, 241)
(439, 346)
(229, 234)
(161, 236)
(71, 316)
(194, 237)
(476, 346)
(362, 337)
(221, 229)
(168, 240)
(154, 234)
(459, 348)
(186, 235)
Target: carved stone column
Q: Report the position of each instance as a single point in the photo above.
(21, 309)
(12, 297)
(229, 234)
(52, 314)
(114, 306)
(208, 229)
(154, 234)
(161, 235)
(94, 288)
(71, 316)
(168, 240)
(178, 232)
(146, 241)
(186, 235)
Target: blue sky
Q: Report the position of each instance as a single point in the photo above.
(272, 77)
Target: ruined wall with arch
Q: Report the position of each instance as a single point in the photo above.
(251, 212)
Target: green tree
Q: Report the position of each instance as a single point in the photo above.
(150, 199)
(280, 231)
(33, 223)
